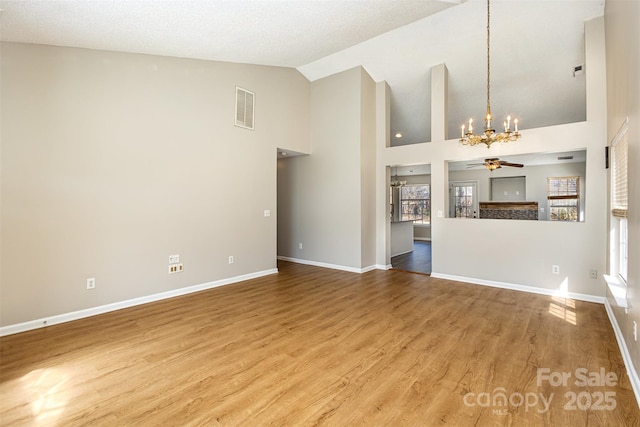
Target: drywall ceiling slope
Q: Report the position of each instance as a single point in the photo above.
(534, 44)
(277, 33)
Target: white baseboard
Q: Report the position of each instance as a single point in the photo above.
(80, 314)
(624, 350)
(522, 288)
(331, 266)
(402, 253)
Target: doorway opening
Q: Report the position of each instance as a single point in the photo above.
(410, 213)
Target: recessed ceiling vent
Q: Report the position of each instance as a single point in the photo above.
(245, 102)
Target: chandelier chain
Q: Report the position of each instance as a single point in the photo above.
(488, 61)
(489, 136)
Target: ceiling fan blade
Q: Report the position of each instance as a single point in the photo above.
(513, 165)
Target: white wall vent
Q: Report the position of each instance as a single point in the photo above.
(245, 102)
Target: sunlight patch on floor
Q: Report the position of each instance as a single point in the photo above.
(564, 308)
(47, 395)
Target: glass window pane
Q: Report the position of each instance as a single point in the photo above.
(415, 203)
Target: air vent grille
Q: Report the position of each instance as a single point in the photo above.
(245, 101)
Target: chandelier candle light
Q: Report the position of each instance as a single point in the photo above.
(489, 136)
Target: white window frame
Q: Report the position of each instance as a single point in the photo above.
(619, 251)
(619, 230)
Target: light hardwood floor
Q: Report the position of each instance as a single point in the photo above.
(312, 346)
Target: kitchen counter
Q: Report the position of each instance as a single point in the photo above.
(401, 237)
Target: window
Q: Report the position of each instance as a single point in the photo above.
(415, 204)
(563, 194)
(623, 249)
(619, 202)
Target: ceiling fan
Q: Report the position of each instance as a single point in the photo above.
(495, 163)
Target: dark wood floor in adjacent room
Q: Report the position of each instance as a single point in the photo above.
(416, 261)
(313, 346)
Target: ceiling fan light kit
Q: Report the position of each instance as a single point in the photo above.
(492, 164)
(489, 136)
(495, 163)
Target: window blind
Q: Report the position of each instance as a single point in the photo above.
(559, 188)
(619, 185)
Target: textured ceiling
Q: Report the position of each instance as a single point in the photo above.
(535, 45)
(267, 32)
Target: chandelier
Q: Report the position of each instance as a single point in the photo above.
(489, 136)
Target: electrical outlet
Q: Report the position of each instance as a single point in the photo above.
(231, 259)
(176, 268)
(555, 269)
(267, 213)
(91, 283)
(593, 274)
(299, 245)
(174, 259)
(635, 330)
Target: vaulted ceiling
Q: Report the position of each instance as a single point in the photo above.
(535, 46)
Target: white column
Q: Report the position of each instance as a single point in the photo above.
(439, 96)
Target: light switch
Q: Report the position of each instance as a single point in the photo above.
(267, 213)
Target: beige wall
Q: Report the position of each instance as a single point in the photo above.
(111, 162)
(522, 253)
(368, 170)
(326, 201)
(623, 100)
